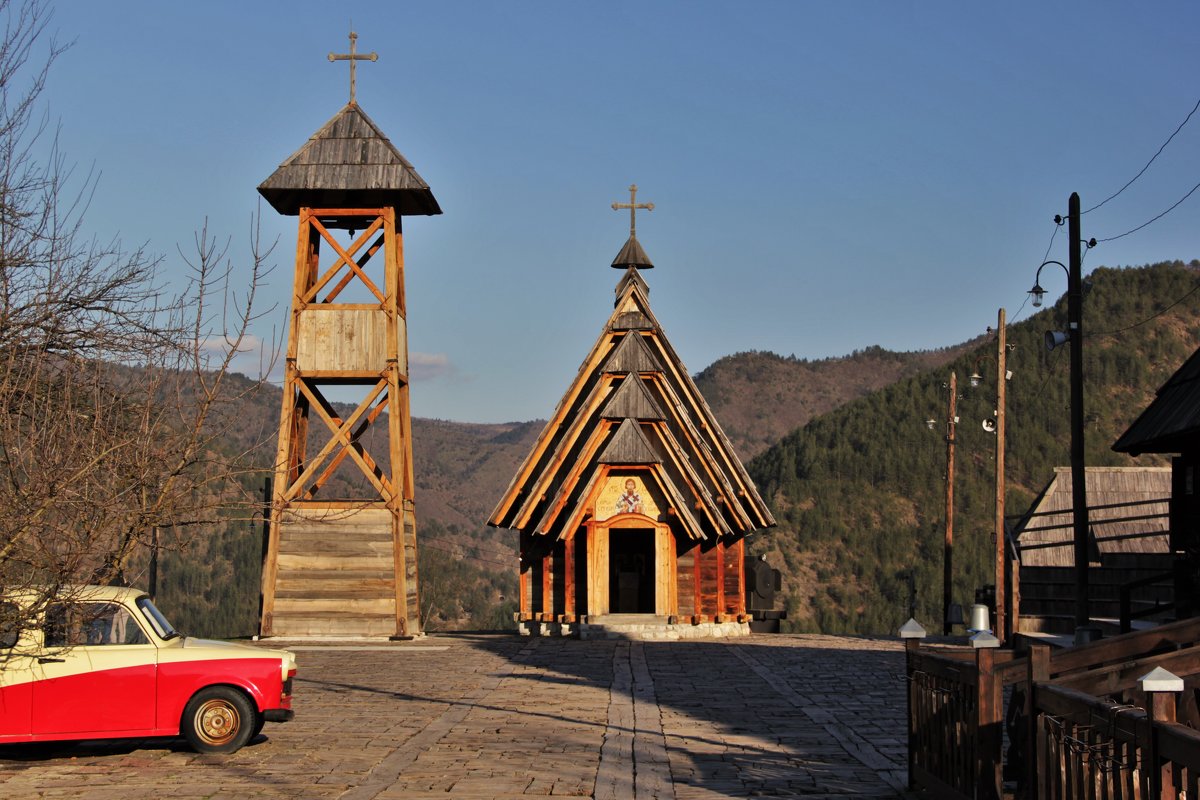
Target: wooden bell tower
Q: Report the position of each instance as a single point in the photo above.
(342, 547)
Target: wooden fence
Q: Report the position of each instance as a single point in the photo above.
(1073, 713)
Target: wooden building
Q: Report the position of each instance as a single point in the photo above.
(1127, 543)
(632, 501)
(342, 551)
(1171, 425)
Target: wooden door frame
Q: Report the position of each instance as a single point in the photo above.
(666, 601)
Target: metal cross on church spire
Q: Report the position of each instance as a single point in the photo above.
(352, 57)
(633, 205)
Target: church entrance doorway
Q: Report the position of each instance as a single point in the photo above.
(631, 573)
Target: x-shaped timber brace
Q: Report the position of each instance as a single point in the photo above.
(346, 344)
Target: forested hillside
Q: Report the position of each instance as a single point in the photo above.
(859, 492)
(760, 397)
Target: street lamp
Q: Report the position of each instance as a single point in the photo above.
(1074, 336)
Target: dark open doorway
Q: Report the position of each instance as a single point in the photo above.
(631, 571)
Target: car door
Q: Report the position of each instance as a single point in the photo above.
(98, 671)
(16, 674)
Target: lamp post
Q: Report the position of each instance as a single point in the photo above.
(1083, 631)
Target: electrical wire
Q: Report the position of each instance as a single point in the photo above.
(1058, 223)
(1148, 163)
(1150, 318)
(1155, 219)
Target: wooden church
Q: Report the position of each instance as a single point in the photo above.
(632, 506)
(341, 554)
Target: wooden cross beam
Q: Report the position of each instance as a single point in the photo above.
(633, 205)
(352, 57)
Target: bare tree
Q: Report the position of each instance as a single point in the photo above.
(115, 395)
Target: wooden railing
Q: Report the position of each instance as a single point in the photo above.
(1086, 746)
(955, 701)
(956, 710)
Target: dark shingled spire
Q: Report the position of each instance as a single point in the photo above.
(632, 255)
(348, 163)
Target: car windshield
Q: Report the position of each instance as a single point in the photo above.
(164, 629)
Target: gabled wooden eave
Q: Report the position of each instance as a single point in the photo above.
(588, 456)
(695, 483)
(696, 446)
(724, 448)
(603, 346)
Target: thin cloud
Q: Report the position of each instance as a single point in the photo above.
(430, 366)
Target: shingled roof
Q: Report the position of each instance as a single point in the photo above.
(633, 406)
(1127, 513)
(348, 163)
(1171, 423)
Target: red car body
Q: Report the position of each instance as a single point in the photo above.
(102, 662)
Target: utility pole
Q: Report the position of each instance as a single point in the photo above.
(1078, 474)
(948, 551)
(1001, 550)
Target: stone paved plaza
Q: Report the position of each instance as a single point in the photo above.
(494, 716)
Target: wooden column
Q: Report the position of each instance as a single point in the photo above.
(548, 586)
(741, 608)
(569, 577)
(525, 592)
(698, 605)
(1037, 670)
(719, 552)
(989, 705)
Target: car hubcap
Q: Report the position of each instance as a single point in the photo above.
(218, 722)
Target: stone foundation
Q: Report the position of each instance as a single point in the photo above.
(651, 629)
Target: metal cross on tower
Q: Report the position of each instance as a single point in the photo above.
(633, 205)
(352, 57)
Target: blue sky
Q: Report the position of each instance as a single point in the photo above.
(826, 176)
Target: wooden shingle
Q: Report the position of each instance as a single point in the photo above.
(1171, 423)
(348, 163)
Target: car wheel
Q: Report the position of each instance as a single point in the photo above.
(218, 719)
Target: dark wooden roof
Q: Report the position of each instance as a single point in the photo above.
(348, 163)
(632, 256)
(1171, 423)
(632, 401)
(633, 408)
(1127, 513)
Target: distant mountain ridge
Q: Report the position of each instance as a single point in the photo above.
(759, 397)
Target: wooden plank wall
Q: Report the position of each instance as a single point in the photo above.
(341, 340)
(335, 573)
(685, 579)
(735, 578)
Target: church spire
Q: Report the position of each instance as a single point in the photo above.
(632, 255)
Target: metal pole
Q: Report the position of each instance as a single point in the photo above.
(1001, 551)
(1078, 474)
(948, 552)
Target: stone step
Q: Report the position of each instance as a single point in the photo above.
(299, 625)
(626, 619)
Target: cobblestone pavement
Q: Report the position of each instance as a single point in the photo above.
(493, 716)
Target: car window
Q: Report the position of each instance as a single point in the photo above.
(10, 625)
(73, 624)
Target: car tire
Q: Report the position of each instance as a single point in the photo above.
(259, 721)
(219, 719)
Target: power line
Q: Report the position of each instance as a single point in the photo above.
(1153, 316)
(1155, 219)
(1148, 163)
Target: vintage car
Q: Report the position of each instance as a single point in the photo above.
(101, 662)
